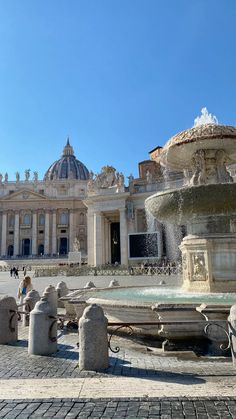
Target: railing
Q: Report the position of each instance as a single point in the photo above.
(207, 324)
(108, 270)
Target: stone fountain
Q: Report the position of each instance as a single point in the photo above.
(206, 205)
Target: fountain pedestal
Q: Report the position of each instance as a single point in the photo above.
(209, 263)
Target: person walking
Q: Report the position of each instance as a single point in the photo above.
(24, 287)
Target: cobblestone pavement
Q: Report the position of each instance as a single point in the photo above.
(149, 384)
(164, 408)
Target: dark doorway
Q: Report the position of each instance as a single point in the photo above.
(115, 242)
(41, 250)
(26, 247)
(63, 246)
(10, 250)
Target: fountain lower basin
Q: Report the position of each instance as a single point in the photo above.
(149, 304)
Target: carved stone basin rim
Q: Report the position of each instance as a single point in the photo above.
(184, 204)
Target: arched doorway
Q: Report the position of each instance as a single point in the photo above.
(25, 247)
(41, 250)
(10, 250)
(63, 246)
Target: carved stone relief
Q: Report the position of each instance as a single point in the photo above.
(199, 270)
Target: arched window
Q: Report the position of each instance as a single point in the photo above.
(26, 219)
(81, 218)
(64, 218)
(41, 219)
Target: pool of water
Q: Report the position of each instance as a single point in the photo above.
(163, 295)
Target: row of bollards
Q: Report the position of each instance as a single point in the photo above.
(41, 316)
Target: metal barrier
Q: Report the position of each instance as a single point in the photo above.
(206, 328)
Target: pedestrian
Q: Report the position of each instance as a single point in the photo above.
(24, 271)
(16, 273)
(11, 271)
(24, 287)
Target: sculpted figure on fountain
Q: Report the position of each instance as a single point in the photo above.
(209, 167)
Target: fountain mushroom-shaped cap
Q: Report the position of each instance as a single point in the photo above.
(94, 312)
(89, 284)
(178, 151)
(114, 283)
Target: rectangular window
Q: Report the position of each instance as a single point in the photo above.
(144, 245)
(63, 231)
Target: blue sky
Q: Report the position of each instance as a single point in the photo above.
(118, 76)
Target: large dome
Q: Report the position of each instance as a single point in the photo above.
(67, 167)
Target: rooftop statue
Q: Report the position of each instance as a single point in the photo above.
(17, 176)
(35, 178)
(27, 174)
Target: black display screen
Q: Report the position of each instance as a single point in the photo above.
(143, 245)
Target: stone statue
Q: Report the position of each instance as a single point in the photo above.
(106, 178)
(131, 183)
(223, 174)
(121, 179)
(76, 245)
(27, 174)
(198, 162)
(6, 177)
(209, 167)
(35, 177)
(17, 176)
(130, 178)
(148, 176)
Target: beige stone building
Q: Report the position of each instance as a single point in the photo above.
(42, 218)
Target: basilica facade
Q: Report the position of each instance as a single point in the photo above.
(44, 218)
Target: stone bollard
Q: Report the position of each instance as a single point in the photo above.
(114, 283)
(62, 291)
(232, 332)
(51, 295)
(30, 300)
(93, 343)
(42, 329)
(8, 320)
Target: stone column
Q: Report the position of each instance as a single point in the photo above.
(34, 234)
(90, 234)
(54, 232)
(123, 237)
(106, 240)
(98, 245)
(46, 233)
(16, 234)
(4, 234)
(72, 232)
